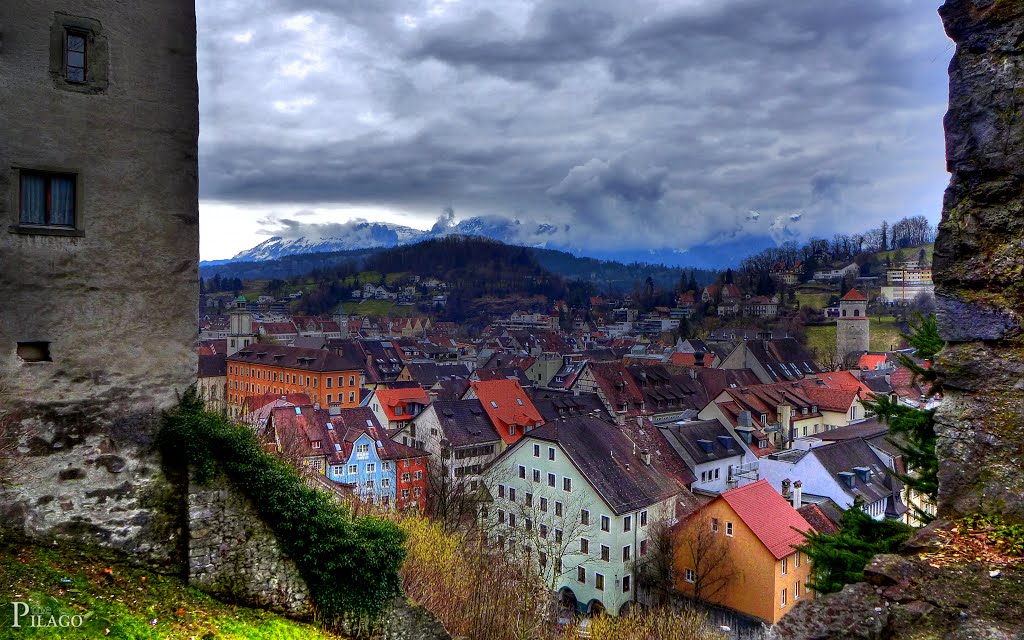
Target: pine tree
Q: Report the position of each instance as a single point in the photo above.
(839, 559)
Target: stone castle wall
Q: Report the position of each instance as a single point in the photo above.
(235, 556)
(114, 296)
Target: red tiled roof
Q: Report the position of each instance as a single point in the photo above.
(507, 404)
(839, 380)
(871, 361)
(854, 296)
(253, 403)
(769, 516)
(838, 400)
(687, 359)
(813, 514)
(389, 399)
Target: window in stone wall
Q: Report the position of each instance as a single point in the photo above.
(47, 199)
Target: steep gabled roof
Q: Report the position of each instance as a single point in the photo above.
(554, 404)
(464, 422)
(507, 404)
(701, 441)
(390, 399)
(769, 516)
(605, 457)
(853, 296)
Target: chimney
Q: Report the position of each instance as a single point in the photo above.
(785, 488)
(745, 419)
(316, 406)
(693, 373)
(798, 494)
(698, 358)
(645, 457)
(640, 421)
(334, 410)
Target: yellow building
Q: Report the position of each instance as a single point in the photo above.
(737, 551)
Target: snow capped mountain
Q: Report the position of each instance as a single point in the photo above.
(362, 234)
(338, 237)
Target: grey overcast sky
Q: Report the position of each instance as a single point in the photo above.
(644, 124)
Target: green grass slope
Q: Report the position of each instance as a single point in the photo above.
(124, 602)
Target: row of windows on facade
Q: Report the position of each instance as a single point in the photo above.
(581, 572)
(276, 376)
(510, 494)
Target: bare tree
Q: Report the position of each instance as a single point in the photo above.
(550, 526)
(656, 571)
(452, 501)
(703, 555)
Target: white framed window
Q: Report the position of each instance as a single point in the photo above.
(371, 467)
(567, 485)
(690, 576)
(785, 566)
(728, 529)
(536, 451)
(782, 599)
(353, 469)
(627, 523)
(714, 525)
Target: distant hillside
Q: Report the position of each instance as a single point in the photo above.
(486, 278)
(606, 276)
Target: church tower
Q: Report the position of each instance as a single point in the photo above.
(853, 330)
(240, 333)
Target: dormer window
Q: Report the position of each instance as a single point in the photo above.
(764, 418)
(814, 409)
(316, 444)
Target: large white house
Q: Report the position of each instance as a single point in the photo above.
(580, 498)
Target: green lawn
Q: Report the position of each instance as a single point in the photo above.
(908, 254)
(885, 335)
(125, 603)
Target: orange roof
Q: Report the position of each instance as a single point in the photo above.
(507, 405)
(854, 296)
(839, 380)
(391, 399)
(871, 362)
(769, 516)
(687, 359)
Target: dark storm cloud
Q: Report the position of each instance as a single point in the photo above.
(641, 124)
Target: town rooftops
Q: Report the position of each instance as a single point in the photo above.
(391, 399)
(508, 405)
(769, 516)
(273, 355)
(605, 457)
(554, 404)
(701, 441)
(464, 422)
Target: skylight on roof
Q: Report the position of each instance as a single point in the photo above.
(519, 401)
(337, 447)
(494, 404)
(369, 423)
(298, 411)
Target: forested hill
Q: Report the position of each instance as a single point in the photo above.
(485, 278)
(607, 276)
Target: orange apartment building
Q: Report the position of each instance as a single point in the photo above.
(756, 525)
(328, 378)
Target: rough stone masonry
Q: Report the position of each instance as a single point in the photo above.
(979, 263)
(98, 323)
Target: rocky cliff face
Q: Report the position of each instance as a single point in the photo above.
(979, 261)
(979, 275)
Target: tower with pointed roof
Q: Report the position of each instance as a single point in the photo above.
(240, 330)
(853, 330)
